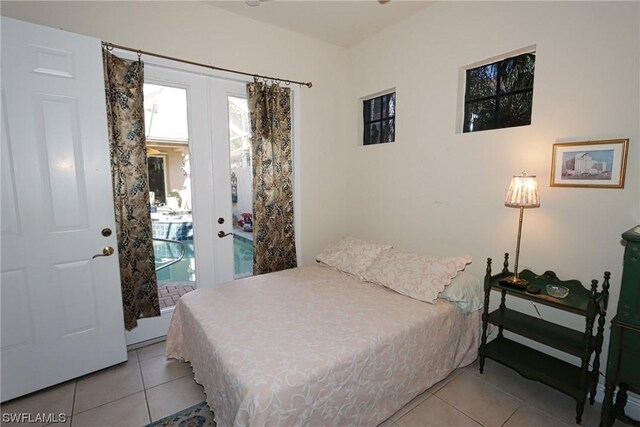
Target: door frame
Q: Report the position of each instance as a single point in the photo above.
(196, 88)
(206, 229)
(295, 125)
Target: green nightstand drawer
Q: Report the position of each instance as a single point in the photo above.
(631, 342)
(630, 368)
(625, 350)
(629, 303)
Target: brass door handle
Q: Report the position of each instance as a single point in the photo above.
(107, 251)
(222, 234)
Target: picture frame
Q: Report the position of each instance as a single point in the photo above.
(591, 164)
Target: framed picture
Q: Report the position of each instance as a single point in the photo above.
(596, 164)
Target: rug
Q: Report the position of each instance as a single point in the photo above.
(196, 416)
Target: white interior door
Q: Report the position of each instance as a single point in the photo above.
(61, 308)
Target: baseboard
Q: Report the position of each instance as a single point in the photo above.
(145, 343)
(632, 409)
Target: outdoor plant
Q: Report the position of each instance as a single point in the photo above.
(247, 218)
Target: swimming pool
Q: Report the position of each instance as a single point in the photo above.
(242, 256)
(185, 269)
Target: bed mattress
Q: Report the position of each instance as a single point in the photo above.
(312, 346)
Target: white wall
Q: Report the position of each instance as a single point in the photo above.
(202, 33)
(437, 191)
(433, 190)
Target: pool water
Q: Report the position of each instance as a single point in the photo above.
(242, 256)
(185, 270)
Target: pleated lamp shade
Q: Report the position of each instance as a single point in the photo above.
(523, 192)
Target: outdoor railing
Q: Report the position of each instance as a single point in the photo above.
(159, 264)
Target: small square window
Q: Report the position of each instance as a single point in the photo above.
(500, 94)
(379, 116)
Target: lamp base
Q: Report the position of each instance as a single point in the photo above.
(514, 282)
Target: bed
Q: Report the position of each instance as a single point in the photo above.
(314, 346)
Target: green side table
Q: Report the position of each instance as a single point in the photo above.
(572, 380)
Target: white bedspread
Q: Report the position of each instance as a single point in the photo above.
(312, 347)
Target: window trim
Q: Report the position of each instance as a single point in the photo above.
(499, 94)
(363, 122)
(462, 83)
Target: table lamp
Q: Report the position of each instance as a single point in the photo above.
(522, 193)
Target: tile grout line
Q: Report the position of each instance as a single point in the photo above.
(545, 413)
(496, 387)
(144, 387)
(111, 401)
(520, 401)
(485, 380)
(146, 400)
(416, 405)
(432, 392)
(107, 403)
(528, 396)
(513, 413)
(73, 402)
(459, 410)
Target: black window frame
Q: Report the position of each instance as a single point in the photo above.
(499, 94)
(389, 118)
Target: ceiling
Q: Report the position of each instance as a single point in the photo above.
(343, 23)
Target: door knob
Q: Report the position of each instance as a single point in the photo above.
(222, 234)
(107, 251)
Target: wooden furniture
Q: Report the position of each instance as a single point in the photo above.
(575, 381)
(623, 363)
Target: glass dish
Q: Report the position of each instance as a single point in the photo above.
(557, 291)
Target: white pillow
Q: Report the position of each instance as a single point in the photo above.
(351, 255)
(421, 277)
(465, 290)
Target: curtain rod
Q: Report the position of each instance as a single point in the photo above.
(111, 46)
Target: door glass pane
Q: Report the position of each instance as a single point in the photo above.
(170, 195)
(165, 113)
(241, 186)
(157, 179)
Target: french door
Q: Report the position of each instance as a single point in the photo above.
(204, 220)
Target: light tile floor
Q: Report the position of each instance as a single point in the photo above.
(148, 387)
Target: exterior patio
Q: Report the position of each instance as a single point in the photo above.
(169, 292)
(167, 141)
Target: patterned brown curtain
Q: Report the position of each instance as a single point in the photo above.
(273, 234)
(125, 117)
